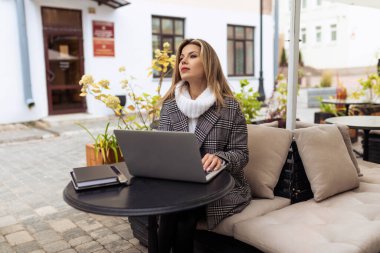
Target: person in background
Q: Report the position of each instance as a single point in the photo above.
(200, 101)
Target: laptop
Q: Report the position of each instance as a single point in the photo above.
(164, 155)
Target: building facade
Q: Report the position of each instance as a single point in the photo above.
(69, 38)
(336, 37)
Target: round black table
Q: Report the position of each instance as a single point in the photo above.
(345, 102)
(147, 196)
(366, 123)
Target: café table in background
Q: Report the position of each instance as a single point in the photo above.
(366, 123)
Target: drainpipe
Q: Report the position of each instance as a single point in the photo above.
(25, 67)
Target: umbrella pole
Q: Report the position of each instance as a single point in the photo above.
(293, 65)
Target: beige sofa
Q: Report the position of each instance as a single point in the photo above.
(344, 213)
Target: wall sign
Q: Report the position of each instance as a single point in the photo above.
(103, 37)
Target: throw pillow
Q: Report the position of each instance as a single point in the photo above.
(346, 137)
(268, 150)
(327, 163)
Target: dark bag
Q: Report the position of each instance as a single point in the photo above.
(293, 182)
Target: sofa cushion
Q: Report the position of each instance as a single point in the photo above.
(270, 124)
(256, 208)
(371, 172)
(345, 223)
(346, 137)
(268, 149)
(327, 163)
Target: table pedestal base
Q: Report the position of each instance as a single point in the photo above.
(152, 234)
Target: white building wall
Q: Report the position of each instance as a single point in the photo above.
(12, 105)
(132, 46)
(357, 43)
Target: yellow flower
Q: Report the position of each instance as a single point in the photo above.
(86, 80)
(122, 69)
(124, 83)
(166, 46)
(104, 83)
(112, 102)
(157, 53)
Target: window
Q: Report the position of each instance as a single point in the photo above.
(167, 29)
(240, 45)
(333, 32)
(318, 34)
(303, 35)
(304, 4)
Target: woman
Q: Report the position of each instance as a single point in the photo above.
(200, 101)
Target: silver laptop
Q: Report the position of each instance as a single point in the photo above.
(165, 155)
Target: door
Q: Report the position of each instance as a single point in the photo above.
(63, 43)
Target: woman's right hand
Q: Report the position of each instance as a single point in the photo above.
(211, 162)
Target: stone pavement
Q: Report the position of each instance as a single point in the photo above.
(34, 168)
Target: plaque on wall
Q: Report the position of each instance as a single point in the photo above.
(103, 38)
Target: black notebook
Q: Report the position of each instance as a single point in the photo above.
(99, 176)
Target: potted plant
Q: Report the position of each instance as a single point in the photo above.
(248, 99)
(372, 86)
(277, 102)
(141, 111)
(326, 111)
(323, 90)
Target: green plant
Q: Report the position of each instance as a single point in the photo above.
(326, 79)
(104, 142)
(283, 59)
(372, 84)
(329, 108)
(141, 111)
(277, 103)
(300, 59)
(248, 100)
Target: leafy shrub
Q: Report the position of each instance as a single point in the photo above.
(248, 100)
(326, 79)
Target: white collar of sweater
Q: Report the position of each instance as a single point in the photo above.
(193, 108)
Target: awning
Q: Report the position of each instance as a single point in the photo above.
(112, 3)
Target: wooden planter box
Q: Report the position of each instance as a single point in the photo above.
(320, 117)
(97, 159)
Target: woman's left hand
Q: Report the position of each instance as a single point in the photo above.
(211, 162)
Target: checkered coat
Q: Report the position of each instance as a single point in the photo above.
(223, 133)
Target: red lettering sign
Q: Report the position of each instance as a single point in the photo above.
(103, 37)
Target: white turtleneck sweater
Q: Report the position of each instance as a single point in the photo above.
(193, 108)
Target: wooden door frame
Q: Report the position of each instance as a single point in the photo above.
(47, 31)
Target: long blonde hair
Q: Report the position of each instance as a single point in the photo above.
(212, 68)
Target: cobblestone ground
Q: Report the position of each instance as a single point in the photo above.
(34, 217)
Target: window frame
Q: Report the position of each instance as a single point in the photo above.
(161, 35)
(304, 4)
(318, 30)
(333, 32)
(304, 35)
(244, 40)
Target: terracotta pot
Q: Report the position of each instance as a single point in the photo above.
(93, 159)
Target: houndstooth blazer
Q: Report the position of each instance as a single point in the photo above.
(223, 133)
